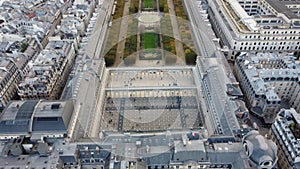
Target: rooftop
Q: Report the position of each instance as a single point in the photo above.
(51, 116)
(228, 154)
(287, 125)
(261, 151)
(24, 117)
(16, 118)
(263, 67)
(281, 7)
(221, 107)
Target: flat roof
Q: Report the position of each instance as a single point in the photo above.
(50, 109)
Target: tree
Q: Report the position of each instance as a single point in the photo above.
(187, 51)
(110, 60)
(191, 58)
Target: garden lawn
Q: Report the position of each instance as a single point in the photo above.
(148, 3)
(150, 40)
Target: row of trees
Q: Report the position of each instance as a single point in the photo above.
(134, 6)
(110, 56)
(130, 45)
(169, 44)
(190, 55)
(131, 40)
(179, 9)
(119, 9)
(163, 6)
(114, 32)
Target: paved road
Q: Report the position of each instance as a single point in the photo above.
(200, 29)
(95, 43)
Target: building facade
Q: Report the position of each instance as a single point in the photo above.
(285, 133)
(269, 83)
(9, 78)
(256, 25)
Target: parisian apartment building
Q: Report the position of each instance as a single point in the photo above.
(49, 72)
(285, 132)
(256, 25)
(269, 82)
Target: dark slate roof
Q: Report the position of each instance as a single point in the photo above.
(48, 124)
(189, 156)
(231, 158)
(117, 165)
(54, 119)
(297, 165)
(22, 120)
(14, 126)
(68, 159)
(26, 109)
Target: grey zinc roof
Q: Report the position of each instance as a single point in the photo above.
(193, 151)
(283, 73)
(224, 153)
(260, 148)
(48, 124)
(233, 158)
(221, 107)
(159, 159)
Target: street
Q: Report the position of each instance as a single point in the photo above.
(200, 29)
(95, 44)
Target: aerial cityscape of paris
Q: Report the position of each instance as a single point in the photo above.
(149, 84)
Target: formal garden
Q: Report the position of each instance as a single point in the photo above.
(159, 43)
